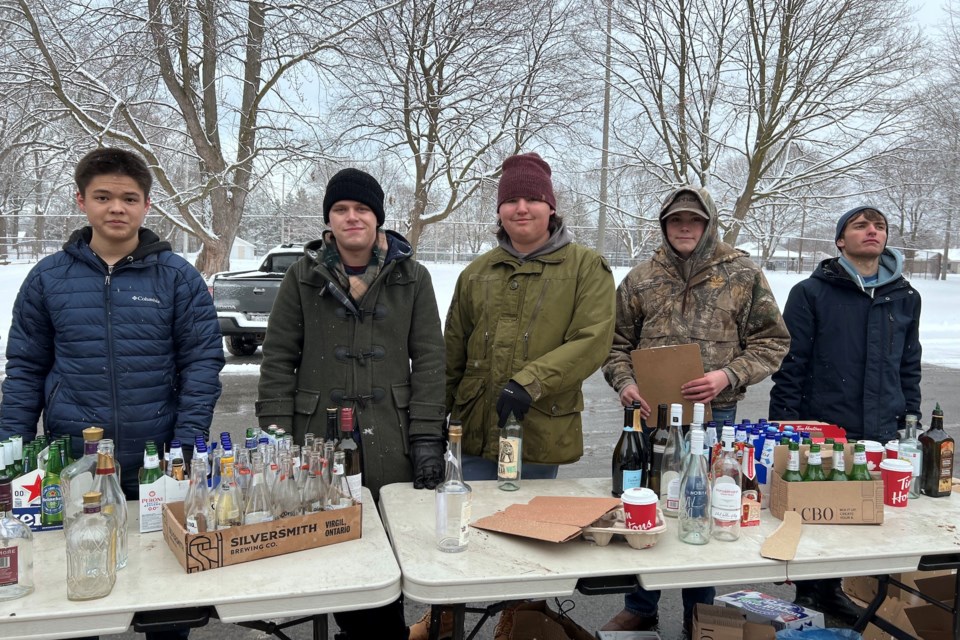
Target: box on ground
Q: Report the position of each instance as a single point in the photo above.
(763, 609)
(28, 498)
(711, 622)
(154, 495)
(213, 549)
(825, 502)
(628, 635)
(907, 611)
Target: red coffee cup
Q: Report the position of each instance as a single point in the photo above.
(640, 508)
(874, 454)
(892, 449)
(897, 475)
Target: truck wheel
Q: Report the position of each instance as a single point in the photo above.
(241, 345)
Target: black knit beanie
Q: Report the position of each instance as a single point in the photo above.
(353, 184)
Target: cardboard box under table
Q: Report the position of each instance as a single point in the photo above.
(764, 609)
(224, 547)
(908, 612)
(711, 622)
(825, 502)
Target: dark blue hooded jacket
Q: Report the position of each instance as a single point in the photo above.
(137, 351)
(854, 355)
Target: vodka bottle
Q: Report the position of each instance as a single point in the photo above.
(453, 498)
(694, 509)
(91, 557)
(112, 501)
(938, 451)
(352, 459)
(672, 465)
(77, 478)
(286, 497)
(16, 549)
(814, 471)
(51, 500)
(196, 506)
(228, 501)
(911, 451)
(658, 442)
(627, 462)
(726, 498)
(339, 495)
(510, 456)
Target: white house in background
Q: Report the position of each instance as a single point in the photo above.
(243, 250)
(781, 259)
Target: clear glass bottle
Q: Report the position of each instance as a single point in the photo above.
(112, 501)
(258, 503)
(286, 497)
(196, 506)
(453, 498)
(339, 495)
(671, 466)
(694, 508)
(91, 552)
(77, 478)
(726, 502)
(510, 458)
(911, 451)
(16, 549)
(315, 488)
(228, 501)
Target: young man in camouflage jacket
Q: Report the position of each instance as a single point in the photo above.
(699, 289)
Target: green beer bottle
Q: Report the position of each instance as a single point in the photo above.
(839, 464)
(814, 470)
(51, 495)
(151, 471)
(860, 471)
(792, 474)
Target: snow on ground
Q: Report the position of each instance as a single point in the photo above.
(939, 322)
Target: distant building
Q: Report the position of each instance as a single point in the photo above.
(243, 250)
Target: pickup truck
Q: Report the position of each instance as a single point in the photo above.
(243, 299)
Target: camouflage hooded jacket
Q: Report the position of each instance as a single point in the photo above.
(717, 298)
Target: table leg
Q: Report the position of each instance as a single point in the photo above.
(459, 620)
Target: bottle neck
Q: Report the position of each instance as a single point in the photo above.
(454, 468)
(90, 447)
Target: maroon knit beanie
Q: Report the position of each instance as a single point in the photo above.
(526, 176)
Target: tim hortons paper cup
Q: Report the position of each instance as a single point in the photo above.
(874, 454)
(896, 475)
(892, 449)
(640, 508)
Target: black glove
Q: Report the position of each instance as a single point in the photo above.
(427, 455)
(513, 399)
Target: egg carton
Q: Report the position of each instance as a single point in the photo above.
(603, 531)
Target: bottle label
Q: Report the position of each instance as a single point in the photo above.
(814, 458)
(658, 449)
(726, 503)
(914, 458)
(192, 526)
(860, 457)
(465, 513)
(52, 500)
(946, 467)
(793, 462)
(632, 479)
(355, 482)
(508, 463)
(8, 566)
(673, 494)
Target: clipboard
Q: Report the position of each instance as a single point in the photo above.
(661, 371)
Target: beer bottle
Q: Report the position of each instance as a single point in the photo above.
(938, 450)
(792, 474)
(814, 470)
(658, 441)
(860, 471)
(196, 506)
(627, 463)
(838, 473)
(51, 501)
(150, 472)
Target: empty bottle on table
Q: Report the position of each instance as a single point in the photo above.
(227, 497)
(77, 478)
(112, 501)
(196, 505)
(453, 498)
(671, 466)
(694, 510)
(16, 549)
(91, 552)
(339, 496)
(725, 501)
(352, 455)
(911, 450)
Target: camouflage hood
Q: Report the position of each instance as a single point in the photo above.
(710, 250)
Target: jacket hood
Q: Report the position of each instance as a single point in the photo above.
(150, 242)
(834, 269)
(560, 237)
(707, 249)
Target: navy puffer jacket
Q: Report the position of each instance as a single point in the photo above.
(136, 350)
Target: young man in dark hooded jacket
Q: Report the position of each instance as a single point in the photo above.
(695, 289)
(854, 357)
(355, 324)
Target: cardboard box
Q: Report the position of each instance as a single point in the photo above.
(711, 622)
(154, 495)
(864, 588)
(202, 551)
(27, 498)
(549, 518)
(763, 609)
(628, 635)
(929, 621)
(825, 502)
(819, 431)
(908, 612)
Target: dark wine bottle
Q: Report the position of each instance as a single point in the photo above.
(627, 466)
(658, 442)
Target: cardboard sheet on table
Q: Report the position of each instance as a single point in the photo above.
(661, 371)
(549, 518)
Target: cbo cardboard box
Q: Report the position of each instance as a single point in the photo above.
(825, 502)
(711, 622)
(763, 609)
(154, 495)
(213, 549)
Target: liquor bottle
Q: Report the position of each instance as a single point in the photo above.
(814, 471)
(286, 497)
(694, 508)
(510, 458)
(151, 471)
(315, 488)
(16, 549)
(750, 497)
(658, 442)
(229, 503)
(339, 496)
(352, 458)
(627, 464)
(77, 478)
(91, 552)
(258, 503)
(792, 473)
(726, 498)
(672, 465)
(112, 501)
(860, 471)
(938, 449)
(453, 498)
(51, 495)
(196, 506)
(911, 450)
(839, 471)
(175, 451)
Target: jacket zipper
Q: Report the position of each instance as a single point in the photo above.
(486, 332)
(108, 309)
(889, 333)
(533, 318)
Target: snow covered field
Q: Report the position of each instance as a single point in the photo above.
(939, 321)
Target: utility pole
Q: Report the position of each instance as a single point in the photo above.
(604, 152)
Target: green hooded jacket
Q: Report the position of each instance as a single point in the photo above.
(546, 323)
(717, 298)
(384, 358)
